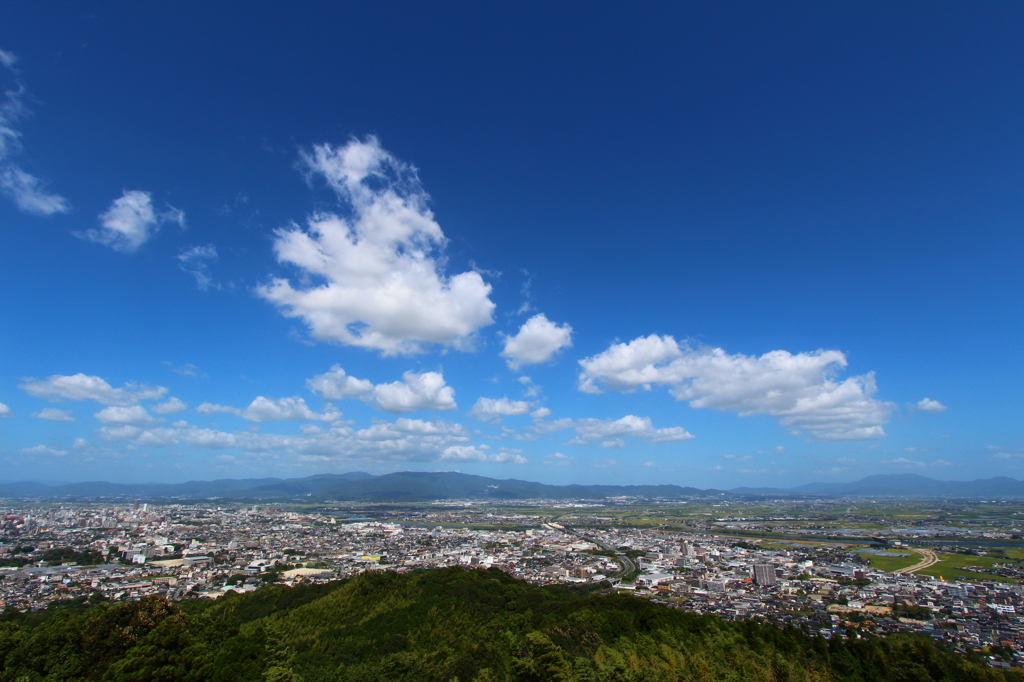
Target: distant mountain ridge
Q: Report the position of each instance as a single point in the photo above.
(902, 485)
(419, 486)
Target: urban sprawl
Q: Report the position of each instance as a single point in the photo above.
(828, 586)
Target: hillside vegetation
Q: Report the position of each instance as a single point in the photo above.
(444, 625)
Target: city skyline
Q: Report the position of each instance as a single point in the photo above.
(715, 247)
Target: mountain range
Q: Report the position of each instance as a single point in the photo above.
(414, 486)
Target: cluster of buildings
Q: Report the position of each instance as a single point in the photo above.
(194, 551)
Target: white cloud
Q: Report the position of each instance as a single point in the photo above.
(85, 387)
(405, 440)
(286, 409)
(401, 428)
(44, 450)
(29, 192)
(170, 406)
(738, 458)
(605, 463)
(929, 405)
(130, 221)
(264, 409)
(135, 415)
(530, 389)
(903, 462)
(426, 391)
(630, 426)
(377, 275)
(26, 190)
(474, 453)
(196, 261)
(537, 341)
(559, 460)
(541, 413)
(801, 390)
(491, 409)
(5, 411)
(335, 385)
(54, 415)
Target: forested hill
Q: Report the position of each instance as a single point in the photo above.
(443, 625)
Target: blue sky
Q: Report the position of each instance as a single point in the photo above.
(714, 245)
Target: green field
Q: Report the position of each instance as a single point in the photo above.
(950, 567)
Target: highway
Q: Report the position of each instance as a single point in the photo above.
(928, 559)
(626, 565)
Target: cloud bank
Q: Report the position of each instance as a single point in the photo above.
(801, 390)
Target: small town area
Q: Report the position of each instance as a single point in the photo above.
(968, 596)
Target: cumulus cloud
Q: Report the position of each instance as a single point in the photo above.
(537, 341)
(28, 192)
(44, 450)
(54, 415)
(375, 277)
(405, 440)
(264, 409)
(474, 453)
(541, 413)
(612, 431)
(130, 221)
(426, 391)
(801, 390)
(403, 427)
(196, 261)
(929, 405)
(135, 415)
(559, 460)
(5, 411)
(170, 406)
(491, 409)
(335, 385)
(84, 387)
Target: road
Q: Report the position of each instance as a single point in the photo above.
(626, 565)
(928, 559)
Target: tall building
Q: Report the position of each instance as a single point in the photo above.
(764, 574)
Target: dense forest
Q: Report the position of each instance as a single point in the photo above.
(444, 625)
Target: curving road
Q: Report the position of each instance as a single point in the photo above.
(626, 565)
(928, 559)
